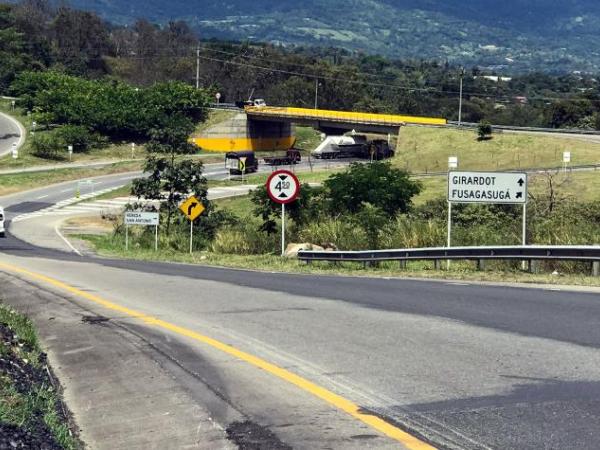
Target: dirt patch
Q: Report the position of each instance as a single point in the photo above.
(252, 436)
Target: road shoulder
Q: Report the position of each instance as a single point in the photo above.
(120, 395)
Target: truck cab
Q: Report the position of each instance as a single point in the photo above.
(240, 163)
(2, 231)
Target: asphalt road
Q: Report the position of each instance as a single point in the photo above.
(460, 365)
(11, 132)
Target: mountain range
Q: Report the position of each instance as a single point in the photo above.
(506, 36)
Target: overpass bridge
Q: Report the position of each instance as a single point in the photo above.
(271, 128)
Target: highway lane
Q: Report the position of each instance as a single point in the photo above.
(467, 366)
(11, 132)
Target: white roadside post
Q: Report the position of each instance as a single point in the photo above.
(133, 150)
(70, 150)
(566, 160)
(283, 187)
(218, 97)
(452, 164)
(14, 151)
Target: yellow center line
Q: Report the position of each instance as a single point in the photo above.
(336, 400)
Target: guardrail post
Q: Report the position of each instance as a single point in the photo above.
(437, 264)
(596, 269)
(534, 266)
(481, 264)
(402, 264)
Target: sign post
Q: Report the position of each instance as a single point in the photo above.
(192, 208)
(566, 160)
(141, 218)
(283, 187)
(242, 166)
(509, 188)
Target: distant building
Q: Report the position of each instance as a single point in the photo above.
(495, 78)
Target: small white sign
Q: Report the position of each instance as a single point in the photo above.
(141, 218)
(452, 162)
(487, 187)
(566, 157)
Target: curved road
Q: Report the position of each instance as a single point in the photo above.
(456, 365)
(11, 132)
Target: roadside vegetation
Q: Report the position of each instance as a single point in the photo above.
(350, 210)
(31, 411)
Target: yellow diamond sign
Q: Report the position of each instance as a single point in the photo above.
(192, 208)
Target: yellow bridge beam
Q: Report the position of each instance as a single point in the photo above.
(341, 116)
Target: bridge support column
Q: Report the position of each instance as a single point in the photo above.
(596, 269)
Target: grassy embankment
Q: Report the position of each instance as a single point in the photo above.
(29, 403)
(425, 150)
(111, 246)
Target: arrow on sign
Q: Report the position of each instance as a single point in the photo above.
(521, 182)
(519, 195)
(191, 208)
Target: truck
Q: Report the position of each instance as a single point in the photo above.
(292, 156)
(355, 146)
(240, 163)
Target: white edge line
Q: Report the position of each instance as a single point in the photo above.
(66, 241)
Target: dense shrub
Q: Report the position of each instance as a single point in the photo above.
(47, 146)
(79, 137)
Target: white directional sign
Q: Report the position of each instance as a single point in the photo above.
(141, 218)
(283, 187)
(487, 187)
(566, 157)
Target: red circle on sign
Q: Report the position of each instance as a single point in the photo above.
(289, 198)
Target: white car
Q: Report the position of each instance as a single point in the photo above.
(2, 232)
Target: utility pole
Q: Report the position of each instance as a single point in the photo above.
(462, 75)
(316, 93)
(198, 67)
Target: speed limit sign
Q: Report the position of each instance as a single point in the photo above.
(283, 187)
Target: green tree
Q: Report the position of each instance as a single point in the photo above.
(372, 220)
(306, 207)
(484, 130)
(378, 184)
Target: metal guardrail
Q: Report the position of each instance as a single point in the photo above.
(574, 131)
(531, 253)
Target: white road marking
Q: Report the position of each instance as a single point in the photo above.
(43, 196)
(66, 190)
(65, 240)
